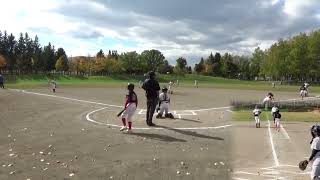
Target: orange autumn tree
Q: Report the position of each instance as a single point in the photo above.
(3, 62)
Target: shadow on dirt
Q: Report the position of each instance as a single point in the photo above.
(191, 133)
(159, 137)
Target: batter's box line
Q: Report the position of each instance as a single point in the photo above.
(177, 113)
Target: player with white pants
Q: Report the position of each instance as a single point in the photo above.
(277, 118)
(273, 111)
(130, 108)
(315, 154)
(170, 87)
(256, 113)
(164, 103)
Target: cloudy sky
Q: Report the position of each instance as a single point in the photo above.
(187, 28)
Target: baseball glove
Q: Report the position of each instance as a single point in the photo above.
(303, 165)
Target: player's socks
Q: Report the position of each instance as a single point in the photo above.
(130, 125)
(124, 121)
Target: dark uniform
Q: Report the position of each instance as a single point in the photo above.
(152, 88)
(1, 81)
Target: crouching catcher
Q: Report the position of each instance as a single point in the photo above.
(164, 103)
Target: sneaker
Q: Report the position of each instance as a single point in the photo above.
(123, 128)
(152, 124)
(129, 130)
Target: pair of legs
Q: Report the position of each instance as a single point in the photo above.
(127, 117)
(2, 85)
(256, 118)
(277, 122)
(164, 108)
(151, 107)
(315, 170)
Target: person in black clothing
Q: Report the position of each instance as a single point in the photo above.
(152, 88)
(1, 81)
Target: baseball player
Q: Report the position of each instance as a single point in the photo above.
(170, 87)
(315, 154)
(273, 111)
(196, 83)
(164, 103)
(277, 118)
(303, 91)
(130, 107)
(268, 98)
(53, 85)
(256, 114)
(1, 81)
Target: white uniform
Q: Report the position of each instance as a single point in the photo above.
(256, 113)
(303, 93)
(170, 87)
(164, 98)
(54, 84)
(266, 99)
(315, 170)
(274, 109)
(196, 83)
(130, 109)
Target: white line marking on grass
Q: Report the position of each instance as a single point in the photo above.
(284, 132)
(275, 157)
(88, 118)
(229, 111)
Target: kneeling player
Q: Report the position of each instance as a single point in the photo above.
(256, 113)
(164, 103)
(130, 107)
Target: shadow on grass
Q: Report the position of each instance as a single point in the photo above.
(191, 133)
(158, 137)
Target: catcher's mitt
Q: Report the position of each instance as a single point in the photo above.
(303, 165)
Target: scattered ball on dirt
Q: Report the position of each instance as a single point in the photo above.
(178, 172)
(71, 174)
(187, 173)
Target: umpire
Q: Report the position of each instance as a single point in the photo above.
(152, 88)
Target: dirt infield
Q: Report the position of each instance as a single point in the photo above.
(74, 134)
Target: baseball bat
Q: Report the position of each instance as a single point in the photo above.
(119, 114)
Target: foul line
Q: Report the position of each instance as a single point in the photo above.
(275, 157)
(88, 118)
(62, 97)
(110, 105)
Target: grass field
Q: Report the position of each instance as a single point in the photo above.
(27, 81)
(286, 116)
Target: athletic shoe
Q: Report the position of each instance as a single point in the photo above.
(152, 124)
(129, 131)
(123, 128)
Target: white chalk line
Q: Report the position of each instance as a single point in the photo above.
(110, 105)
(88, 118)
(284, 132)
(274, 154)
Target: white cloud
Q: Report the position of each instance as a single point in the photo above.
(176, 28)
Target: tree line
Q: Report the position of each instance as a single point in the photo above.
(295, 58)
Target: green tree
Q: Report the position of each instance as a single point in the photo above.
(200, 67)
(131, 62)
(100, 54)
(62, 63)
(153, 59)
